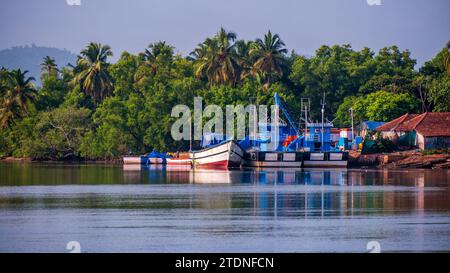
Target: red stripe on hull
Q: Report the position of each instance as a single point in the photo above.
(223, 164)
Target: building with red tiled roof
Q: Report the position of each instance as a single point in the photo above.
(426, 131)
(393, 124)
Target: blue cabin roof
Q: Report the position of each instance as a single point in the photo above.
(372, 125)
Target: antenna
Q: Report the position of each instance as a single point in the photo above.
(305, 105)
(322, 102)
(351, 115)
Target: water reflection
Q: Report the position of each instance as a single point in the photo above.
(267, 192)
(93, 174)
(173, 209)
(390, 192)
(351, 177)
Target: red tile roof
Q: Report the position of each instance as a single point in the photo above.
(427, 124)
(393, 124)
(434, 124)
(409, 124)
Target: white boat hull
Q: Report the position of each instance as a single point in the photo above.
(223, 156)
(155, 160)
(294, 160)
(132, 160)
(179, 162)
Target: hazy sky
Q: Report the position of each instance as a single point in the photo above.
(423, 26)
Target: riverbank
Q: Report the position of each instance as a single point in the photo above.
(400, 160)
(11, 159)
(396, 160)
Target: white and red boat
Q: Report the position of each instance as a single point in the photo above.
(182, 159)
(224, 155)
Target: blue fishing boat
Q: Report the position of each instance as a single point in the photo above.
(296, 148)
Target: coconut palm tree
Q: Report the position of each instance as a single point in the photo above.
(92, 71)
(4, 75)
(8, 113)
(156, 54)
(245, 61)
(158, 51)
(269, 58)
(216, 58)
(22, 89)
(49, 67)
(447, 58)
(18, 92)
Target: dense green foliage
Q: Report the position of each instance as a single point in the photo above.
(376, 106)
(376, 144)
(95, 109)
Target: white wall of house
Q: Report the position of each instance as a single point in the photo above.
(420, 141)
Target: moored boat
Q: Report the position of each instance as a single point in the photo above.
(295, 148)
(273, 159)
(132, 160)
(325, 159)
(227, 154)
(151, 158)
(155, 160)
(180, 159)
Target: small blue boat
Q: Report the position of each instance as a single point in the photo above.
(151, 158)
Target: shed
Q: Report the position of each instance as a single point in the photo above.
(426, 131)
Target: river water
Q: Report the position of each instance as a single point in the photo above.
(112, 208)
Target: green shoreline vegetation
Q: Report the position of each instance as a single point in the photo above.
(95, 110)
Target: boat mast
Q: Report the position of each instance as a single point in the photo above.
(323, 112)
(190, 136)
(351, 114)
(306, 119)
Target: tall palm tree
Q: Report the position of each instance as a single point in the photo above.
(18, 92)
(269, 56)
(447, 58)
(156, 54)
(245, 61)
(216, 58)
(49, 67)
(92, 71)
(8, 112)
(158, 51)
(22, 89)
(4, 75)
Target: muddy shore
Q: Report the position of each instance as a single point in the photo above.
(400, 160)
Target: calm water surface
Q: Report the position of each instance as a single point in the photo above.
(107, 208)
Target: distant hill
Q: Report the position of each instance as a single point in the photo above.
(30, 57)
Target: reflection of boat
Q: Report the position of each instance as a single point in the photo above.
(176, 168)
(132, 167)
(210, 177)
(227, 154)
(327, 159)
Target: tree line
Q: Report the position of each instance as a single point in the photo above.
(95, 109)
